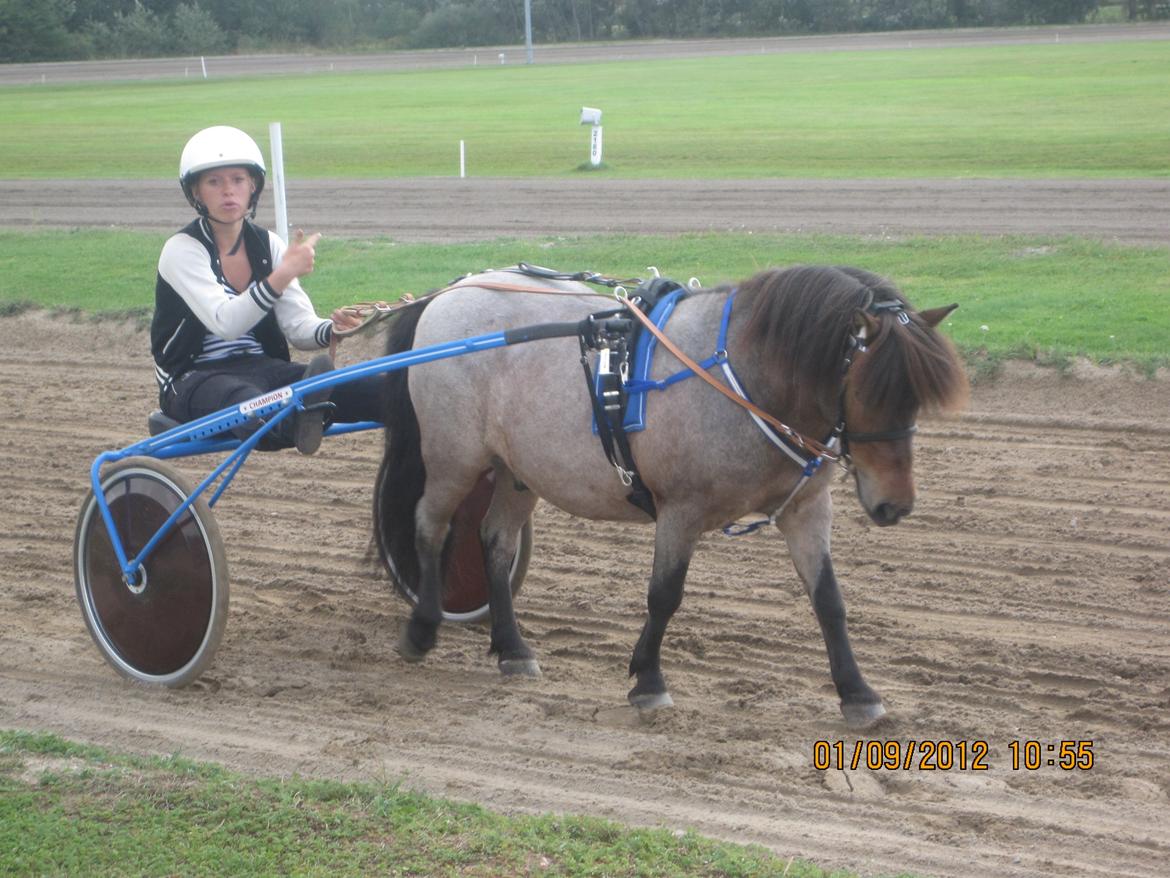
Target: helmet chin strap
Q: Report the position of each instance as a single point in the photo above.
(202, 210)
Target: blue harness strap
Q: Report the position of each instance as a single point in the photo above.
(637, 384)
(640, 384)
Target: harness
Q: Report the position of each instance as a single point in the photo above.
(808, 454)
(611, 335)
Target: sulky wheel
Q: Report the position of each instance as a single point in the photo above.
(165, 628)
(465, 589)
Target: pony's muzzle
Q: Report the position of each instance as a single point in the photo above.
(886, 514)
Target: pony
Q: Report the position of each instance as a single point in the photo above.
(838, 353)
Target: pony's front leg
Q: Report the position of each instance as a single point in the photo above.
(674, 543)
(806, 526)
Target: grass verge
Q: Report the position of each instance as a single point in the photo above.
(1042, 299)
(69, 809)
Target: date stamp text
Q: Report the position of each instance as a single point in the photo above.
(951, 755)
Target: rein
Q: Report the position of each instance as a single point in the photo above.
(819, 449)
(374, 312)
(835, 449)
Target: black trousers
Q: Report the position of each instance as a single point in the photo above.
(214, 386)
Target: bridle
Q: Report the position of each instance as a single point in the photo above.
(856, 345)
(840, 437)
(810, 452)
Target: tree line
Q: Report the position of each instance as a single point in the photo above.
(51, 30)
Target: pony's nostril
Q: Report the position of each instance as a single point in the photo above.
(885, 514)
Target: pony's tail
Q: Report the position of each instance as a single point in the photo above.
(402, 476)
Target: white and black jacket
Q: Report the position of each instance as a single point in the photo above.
(193, 298)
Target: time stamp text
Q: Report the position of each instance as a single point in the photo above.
(951, 755)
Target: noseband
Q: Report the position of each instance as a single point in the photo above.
(849, 438)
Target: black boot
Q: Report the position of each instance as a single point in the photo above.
(309, 425)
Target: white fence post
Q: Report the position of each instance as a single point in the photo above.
(274, 139)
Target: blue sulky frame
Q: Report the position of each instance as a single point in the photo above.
(168, 635)
(200, 437)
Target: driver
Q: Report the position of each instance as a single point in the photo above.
(228, 302)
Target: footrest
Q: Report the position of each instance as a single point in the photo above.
(158, 423)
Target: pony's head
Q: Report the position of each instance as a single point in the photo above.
(849, 350)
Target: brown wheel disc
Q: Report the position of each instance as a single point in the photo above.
(465, 588)
(165, 627)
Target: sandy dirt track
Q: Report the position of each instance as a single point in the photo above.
(450, 209)
(1026, 598)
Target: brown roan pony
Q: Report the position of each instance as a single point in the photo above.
(830, 351)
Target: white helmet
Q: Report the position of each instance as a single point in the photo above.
(220, 146)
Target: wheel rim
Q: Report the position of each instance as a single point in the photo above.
(158, 631)
(465, 588)
(466, 591)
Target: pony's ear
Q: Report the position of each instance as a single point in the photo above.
(934, 316)
(863, 320)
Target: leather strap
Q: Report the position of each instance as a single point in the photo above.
(798, 439)
(812, 445)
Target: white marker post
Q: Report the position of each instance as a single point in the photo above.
(528, 29)
(462, 161)
(274, 140)
(203, 63)
(592, 116)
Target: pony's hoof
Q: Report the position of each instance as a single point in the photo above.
(651, 700)
(862, 716)
(407, 649)
(520, 667)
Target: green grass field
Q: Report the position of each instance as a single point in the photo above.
(1040, 299)
(67, 809)
(1052, 110)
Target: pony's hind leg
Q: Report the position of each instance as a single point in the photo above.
(500, 534)
(674, 543)
(432, 519)
(806, 528)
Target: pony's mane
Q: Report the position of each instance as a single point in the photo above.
(801, 319)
